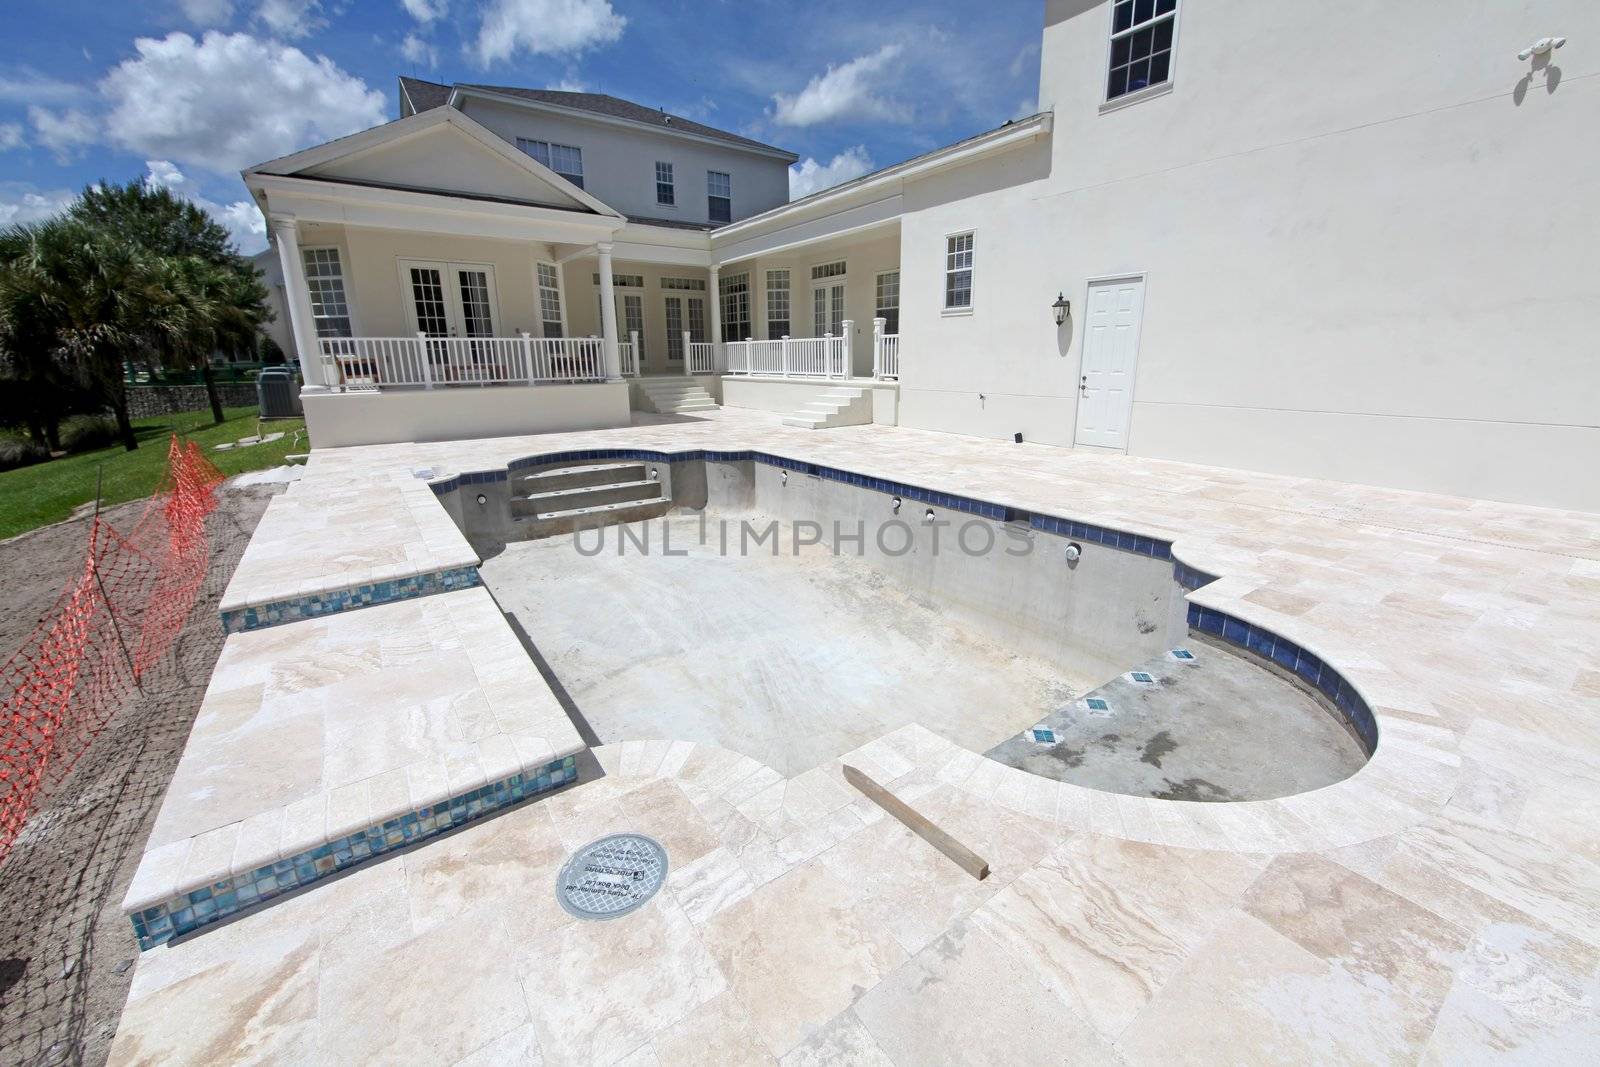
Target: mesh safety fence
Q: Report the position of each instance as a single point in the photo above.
(117, 617)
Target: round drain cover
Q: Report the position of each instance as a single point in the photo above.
(612, 876)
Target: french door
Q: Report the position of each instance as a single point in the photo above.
(684, 312)
(630, 319)
(827, 309)
(450, 299)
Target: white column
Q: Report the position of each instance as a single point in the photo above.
(877, 346)
(716, 309)
(294, 287)
(608, 316)
(688, 354)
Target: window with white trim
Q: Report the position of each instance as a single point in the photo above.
(888, 303)
(958, 272)
(734, 293)
(694, 285)
(565, 159)
(828, 270)
(1141, 45)
(666, 192)
(777, 304)
(550, 300)
(330, 311)
(623, 281)
(719, 196)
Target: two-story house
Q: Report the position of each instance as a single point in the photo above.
(1350, 244)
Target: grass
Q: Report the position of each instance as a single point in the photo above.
(35, 496)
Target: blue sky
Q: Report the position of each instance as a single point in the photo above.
(186, 92)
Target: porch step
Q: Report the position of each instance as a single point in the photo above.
(835, 407)
(562, 522)
(583, 497)
(667, 396)
(577, 477)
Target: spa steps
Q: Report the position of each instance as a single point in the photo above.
(600, 494)
(836, 407)
(668, 397)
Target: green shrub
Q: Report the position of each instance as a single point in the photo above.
(20, 452)
(85, 433)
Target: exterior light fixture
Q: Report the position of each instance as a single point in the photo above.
(1062, 307)
(1542, 47)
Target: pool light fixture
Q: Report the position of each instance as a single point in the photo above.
(894, 505)
(1062, 307)
(783, 476)
(482, 500)
(927, 516)
(1074, 552)
(655, 475)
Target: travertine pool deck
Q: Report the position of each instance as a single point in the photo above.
(1441, 905)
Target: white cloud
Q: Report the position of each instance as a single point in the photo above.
(290, 18)
(10, 136)
(425, 11)
(21, 202)
(418, 51)
(24, 85)
(808, 176)
(241, 218)
(230, 100)
(545, 27)
(846, 91)
(207, 12)
(66, 132)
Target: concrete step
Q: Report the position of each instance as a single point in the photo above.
(669, 397)
(685, 405)
(584, 496)
(840, 406)
(576, 477)
(801, 422)
(563, 522)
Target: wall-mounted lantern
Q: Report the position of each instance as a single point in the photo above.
(1062, 307)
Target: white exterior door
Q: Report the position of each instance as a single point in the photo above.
(827, 309)
(449, 299)
(683, 312)
(1110, 353)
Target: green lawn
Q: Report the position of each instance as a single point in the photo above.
(47, 492)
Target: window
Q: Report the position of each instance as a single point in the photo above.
(958, 272)
(550, 300)
(719, 196)
(325, 280)
(888, 304)
(1141, 45)
(665, 192)
(566, 160)
(777, 304)
(734, 290)
(623, 281)
(694, 285)
(827, 270)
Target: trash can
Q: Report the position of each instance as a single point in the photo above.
(277, 393)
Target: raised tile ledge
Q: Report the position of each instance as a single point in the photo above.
(347, 598)
(162, 903)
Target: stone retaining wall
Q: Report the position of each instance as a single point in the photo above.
(147, 400)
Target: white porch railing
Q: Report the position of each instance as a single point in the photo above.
(374, 362)
(885, 351)
(702, 356)
(793, 357)
(628, 350)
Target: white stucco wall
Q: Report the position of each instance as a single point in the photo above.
(619, 163)
(336, 420)
(1368, 235)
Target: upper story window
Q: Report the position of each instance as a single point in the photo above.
(550, 300)
(1141, 45)
(666, 192)
(565, 159)
(325, 280)
(958, 272)
(719, 196)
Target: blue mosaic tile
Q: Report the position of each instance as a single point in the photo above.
(337, 600)
(207, 905)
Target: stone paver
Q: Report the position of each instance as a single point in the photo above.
(1442, 904)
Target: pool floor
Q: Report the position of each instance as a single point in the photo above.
(792, 660)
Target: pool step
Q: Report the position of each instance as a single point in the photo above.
(579, 476)
(561, 522)
(836, 407)
(562, 501)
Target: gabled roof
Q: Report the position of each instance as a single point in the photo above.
(422, 95)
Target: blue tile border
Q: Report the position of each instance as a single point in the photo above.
(336, 600)
(208, 904)
(1291, 657)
